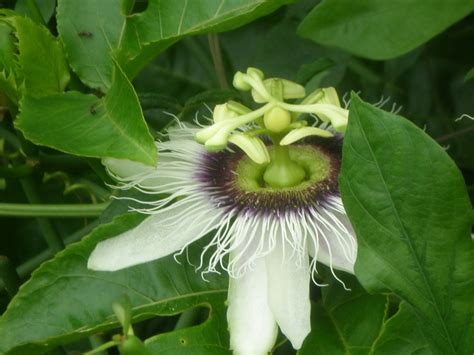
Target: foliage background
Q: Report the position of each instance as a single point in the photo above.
(415, 53)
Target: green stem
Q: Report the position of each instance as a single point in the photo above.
(18, 171)
(282, 172)
(216, 54)
(10, 138)
(97, 342)
(9, 276)
(53, 240)
(48, 210)
(30, 265)
(100, 349)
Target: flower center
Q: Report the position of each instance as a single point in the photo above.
(308, 163)
(235, 182)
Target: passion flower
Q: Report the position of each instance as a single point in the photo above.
(264, 182)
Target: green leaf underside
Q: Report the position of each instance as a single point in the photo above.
(54, 306)
(404, 194)
(41, 58)
(85, 125)
(380, 29)
(102, 31)
(345, 322)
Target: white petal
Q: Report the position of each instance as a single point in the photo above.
(337, 245)
(161, 234)
(288, 292)
(253, 329)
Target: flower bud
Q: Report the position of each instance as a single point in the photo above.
(222, 112)
(255, 73)
(240, 82)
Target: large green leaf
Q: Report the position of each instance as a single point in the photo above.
(64, 301)
(102, 30)
(408, 204)
(76, 123)
(381, 29)
(345, 322)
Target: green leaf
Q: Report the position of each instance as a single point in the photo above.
(8, 63)
(81, 300)
(408, 204)
(76, 123)
(380, 29)
(469, 75)
(401, 335)
(208, 338)
(345, 322)
(91, 30)
(41, 58)
(40, 11)
(103, 31)
(164, 22)
(309, 71)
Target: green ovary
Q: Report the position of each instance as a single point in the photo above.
(302, 166)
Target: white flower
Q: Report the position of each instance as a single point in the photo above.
(268, 237)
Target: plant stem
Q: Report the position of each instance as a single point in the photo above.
(18, 171)
(10, 138)
(217, 60)
(9, 276)
(455, 134)
(49, 210)
(28, 266)
(53, 240)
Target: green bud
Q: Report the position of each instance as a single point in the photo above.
(277, 119)
(132, 345)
